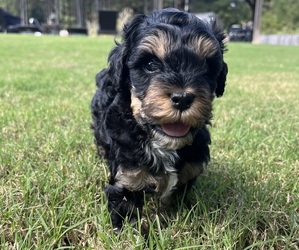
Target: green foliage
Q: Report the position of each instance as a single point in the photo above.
(12, 6)
(230, 12)
(38, 13)
(67, 14)
(51, 181)
(281, 16)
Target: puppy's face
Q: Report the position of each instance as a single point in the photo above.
(173, 67)
(173, 78)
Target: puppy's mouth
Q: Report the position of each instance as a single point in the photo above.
(176, 129)
(172, 135)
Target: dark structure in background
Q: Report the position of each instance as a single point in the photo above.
(239, 33)
(107, 22)
(7, 20)
(13, 24)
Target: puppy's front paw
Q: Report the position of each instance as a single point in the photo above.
(123, 204)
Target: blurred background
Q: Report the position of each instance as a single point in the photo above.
(92, 17)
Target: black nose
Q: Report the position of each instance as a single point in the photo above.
(182, 100)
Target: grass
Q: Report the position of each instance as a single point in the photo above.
(51, 180)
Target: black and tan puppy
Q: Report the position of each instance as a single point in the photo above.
(153, 105)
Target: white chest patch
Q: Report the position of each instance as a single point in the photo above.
(164, 160)
(172, 181)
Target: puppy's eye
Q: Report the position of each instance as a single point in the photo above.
(151, 66)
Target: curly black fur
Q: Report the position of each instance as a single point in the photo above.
(161, 80)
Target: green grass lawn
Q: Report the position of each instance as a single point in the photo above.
(51, 180)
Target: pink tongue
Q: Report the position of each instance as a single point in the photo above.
(175, 129)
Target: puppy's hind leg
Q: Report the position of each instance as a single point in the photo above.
(122, 204)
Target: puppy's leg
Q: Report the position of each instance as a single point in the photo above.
(123, 203)
(186, 179)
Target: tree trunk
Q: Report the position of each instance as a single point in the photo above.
(158, 4)
(79, 13)
(251, 4)
(257, 21)
(23, 11)
(179, 4)
(56, 9)
(96, 6)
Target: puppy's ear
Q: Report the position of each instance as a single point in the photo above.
(117, 70)
(221, 80)
(217, 29)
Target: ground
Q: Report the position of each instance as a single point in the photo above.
(51, 180)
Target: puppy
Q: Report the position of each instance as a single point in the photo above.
(153, 105)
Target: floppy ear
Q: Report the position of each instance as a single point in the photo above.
(118, 70)
(217, 29)
(221, 80)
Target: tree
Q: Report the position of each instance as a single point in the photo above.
(257, 21)
(251, 4)
(229, 11)
(158, 4)
(79, 13)
(180, 4)
(67, 13)
(37, 11)
(12, 6)
(280, 16)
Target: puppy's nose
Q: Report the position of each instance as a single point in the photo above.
(181, 100)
